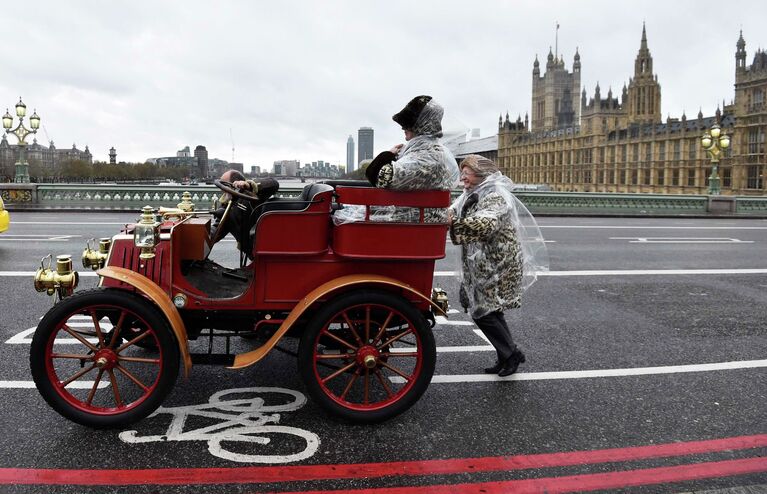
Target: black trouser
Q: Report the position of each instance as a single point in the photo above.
(496, 330)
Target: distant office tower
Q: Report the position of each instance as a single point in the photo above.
(364, 144)
(350, 155)
(202, 160)
(286, 168)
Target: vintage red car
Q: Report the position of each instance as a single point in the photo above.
(357, 295)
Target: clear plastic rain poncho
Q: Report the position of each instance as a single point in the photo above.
(423, 163)
(503, 249)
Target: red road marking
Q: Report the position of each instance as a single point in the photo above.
(580, 483)
(246, 475)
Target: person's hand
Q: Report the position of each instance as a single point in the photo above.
(450, 217)
(241, 184)
(396, 149)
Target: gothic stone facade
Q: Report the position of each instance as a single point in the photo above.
(622, 145)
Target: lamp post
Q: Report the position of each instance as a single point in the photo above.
(714, 141)
(21, 132)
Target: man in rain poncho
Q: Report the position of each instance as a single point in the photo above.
(420, 164)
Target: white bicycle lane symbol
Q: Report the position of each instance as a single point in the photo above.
(243, 420)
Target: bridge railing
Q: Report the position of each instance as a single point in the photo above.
(133, 197)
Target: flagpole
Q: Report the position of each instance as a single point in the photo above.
(556, 42)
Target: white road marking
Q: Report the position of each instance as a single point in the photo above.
(631, 272)
(529, 376)
(31, 385)
(7, 274)
(683, 240)
(449, 322)
(123, 223)
(662, 272)
(38, 238)
(465, 349)
(586, 374)
(632, 371)
(241, 419)
(479, 333)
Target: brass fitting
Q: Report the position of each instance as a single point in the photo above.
(186, 203)
(95, 259)
(62, 281)
(439, 297)
(369, 361)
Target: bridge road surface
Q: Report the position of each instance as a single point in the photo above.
(646, 372)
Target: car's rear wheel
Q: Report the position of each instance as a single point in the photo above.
(367, 356)
(87, 364)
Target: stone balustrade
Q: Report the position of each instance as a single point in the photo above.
(133, 197)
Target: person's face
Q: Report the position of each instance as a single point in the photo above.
(469, 179)
(409, 134)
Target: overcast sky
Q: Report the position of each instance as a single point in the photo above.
(293, 79)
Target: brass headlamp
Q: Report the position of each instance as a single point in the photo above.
(95, 259)
(62, 281)
(146, 235)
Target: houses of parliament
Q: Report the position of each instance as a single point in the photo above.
(619, 143)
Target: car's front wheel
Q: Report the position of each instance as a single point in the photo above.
(87, 363)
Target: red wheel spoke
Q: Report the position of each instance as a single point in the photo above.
(396, 371)
(141, 360)
(133, 341)
(79, 337)
(71, 355)
(113, 380)
(383, 328)
(80, 374)
(132, 378)
(351, 327)
(339, 372)
(383, 382)
(92, 393)
(367, 324)
(97, 327)
(350, 383)
(339, 339)
(334, 356)
(116, 330)
(395, 338)
(399, 354)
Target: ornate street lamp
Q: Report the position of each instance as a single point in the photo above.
(21, 132)
(714, 141)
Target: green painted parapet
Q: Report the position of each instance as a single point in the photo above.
(133, 197)
(751, 205)
(113, 196)
(610, 203)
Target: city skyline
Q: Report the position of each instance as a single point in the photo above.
(299, 98)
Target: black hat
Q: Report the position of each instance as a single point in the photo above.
(408, 116)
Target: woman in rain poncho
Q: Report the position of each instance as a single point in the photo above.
(502, 250)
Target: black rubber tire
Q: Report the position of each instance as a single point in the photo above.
(62, 400)
(381, 299)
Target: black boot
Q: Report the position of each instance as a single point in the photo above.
(511, 364)
(494, 369)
